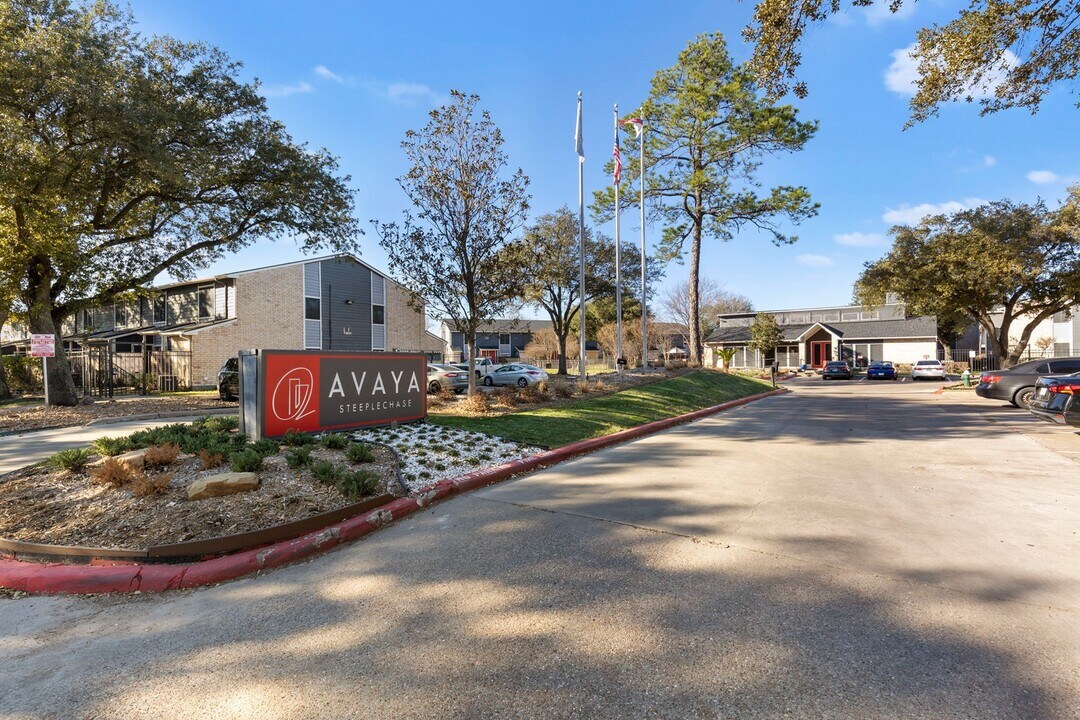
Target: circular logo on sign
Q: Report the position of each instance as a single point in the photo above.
(292, 395)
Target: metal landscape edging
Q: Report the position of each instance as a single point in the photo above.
(80, 579)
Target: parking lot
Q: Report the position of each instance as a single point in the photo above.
(849, 549)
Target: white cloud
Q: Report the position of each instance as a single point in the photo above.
(1042, 177)
(814, 260)
(902, 73)
(879, 12)
(858, 239)
(911, 215)
(325, 72)
(408, 93)
(286, 90)
(989, 161)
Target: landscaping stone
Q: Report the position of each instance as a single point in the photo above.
(228, 483)
(135, 459)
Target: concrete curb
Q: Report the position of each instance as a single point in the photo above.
(58, 579)
(160, 416)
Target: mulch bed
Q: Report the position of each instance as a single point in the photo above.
(61, 508)
(21, 418)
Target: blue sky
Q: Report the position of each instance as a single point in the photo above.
(354, 76)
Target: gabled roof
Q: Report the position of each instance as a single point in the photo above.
(508, 325)
(924, 327)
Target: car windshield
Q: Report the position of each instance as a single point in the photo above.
(837, 365)
(928, 362)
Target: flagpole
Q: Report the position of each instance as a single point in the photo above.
(581, 236)
(644, 312)
(618, 260)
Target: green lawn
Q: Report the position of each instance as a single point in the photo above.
(564, 424)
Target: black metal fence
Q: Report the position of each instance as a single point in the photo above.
(982, 362)
(100, 372)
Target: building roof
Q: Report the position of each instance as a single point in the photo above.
(917, 327)
(508, 325)
(227, 275)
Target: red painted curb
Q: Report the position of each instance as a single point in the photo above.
(96, 578)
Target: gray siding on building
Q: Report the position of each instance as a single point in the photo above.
(346, 326)
(183, 305)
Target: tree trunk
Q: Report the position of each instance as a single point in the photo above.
(5, 391)
(472, 361)
(43, 320)
(695, 314)
(562, 352)
(61, 384)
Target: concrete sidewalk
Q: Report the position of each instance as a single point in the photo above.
(18, 451)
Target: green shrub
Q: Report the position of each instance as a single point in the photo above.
(358, 483)
(326, 472)
(109, 446)
(335, 441)
(248, 460)
(218, 423)
(298, 458)
(73, 460)
(296, 438)
(23, 373)
(265, 447)
(359, 453)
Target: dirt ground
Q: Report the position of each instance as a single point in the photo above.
(61, 508)
(19, 418)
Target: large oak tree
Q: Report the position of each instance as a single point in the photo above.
(1001, 264)
(454, 252)
(707, 130)
(123, 157)
(1006, 53)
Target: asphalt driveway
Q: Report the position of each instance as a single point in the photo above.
(850, 550)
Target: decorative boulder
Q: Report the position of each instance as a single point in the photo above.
(135, 459)
(228, 483)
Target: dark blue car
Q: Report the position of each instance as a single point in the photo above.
(881, 370)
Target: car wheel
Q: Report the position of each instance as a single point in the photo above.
(522, 382)
(434, 387)
(1023, 396)
(222, 394)
(488, 381)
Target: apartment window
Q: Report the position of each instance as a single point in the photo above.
(159, 309)
(378, 315)
(206, 302)
(312, 308)
(121, 315)
(504, 338)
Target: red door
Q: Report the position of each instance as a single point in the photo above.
(819, 354)
(493, 354)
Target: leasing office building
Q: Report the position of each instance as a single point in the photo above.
(814, 336)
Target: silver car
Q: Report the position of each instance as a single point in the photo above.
(448, 376)
(928, 369)
(515, 374)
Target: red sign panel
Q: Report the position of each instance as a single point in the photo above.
(312, 391)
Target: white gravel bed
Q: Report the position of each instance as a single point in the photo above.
(430, 453)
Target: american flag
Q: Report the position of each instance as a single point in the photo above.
(618, 160)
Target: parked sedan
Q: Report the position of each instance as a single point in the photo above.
(1017, 384)
(836, 370)
(928, 369)
(449, 376)
(1057, 400)
(516, 374)
(881, 370)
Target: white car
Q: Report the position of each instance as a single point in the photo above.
(928, 369)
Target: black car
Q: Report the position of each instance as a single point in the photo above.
(1057, 400)
(837, 369)
(228, 380)
(1017, 384)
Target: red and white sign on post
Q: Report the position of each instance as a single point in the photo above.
(44, 347)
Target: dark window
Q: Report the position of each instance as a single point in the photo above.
(378, 315)
(1065, 366)
(159, 308)
(120, 315)
(1040, 368)
(312, 308)
(504, 338)
(206, 303)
